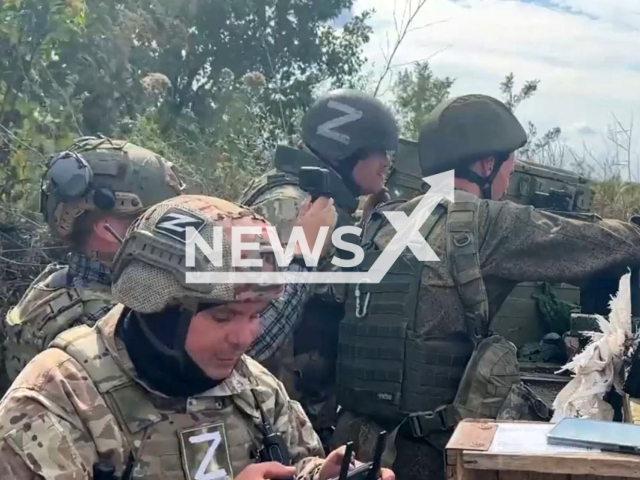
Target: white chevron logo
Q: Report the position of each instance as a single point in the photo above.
(407, 236)
(175, 224)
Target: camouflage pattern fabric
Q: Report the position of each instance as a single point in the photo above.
(81, 402)
(61, 297)
(316, 339)
(517, 243)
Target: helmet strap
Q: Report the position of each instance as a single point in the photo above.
(485, 183)
(346, 173)
(348, 165)
(344, 169)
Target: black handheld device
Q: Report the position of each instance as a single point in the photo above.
(273, 447)
(315, 181)
(366, 471)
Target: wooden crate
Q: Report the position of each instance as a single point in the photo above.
(481, 450)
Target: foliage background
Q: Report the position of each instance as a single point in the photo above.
(212, 85)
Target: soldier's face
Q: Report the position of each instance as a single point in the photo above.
(102, 239)
(371, 172)
(503, 179)
(218, 336)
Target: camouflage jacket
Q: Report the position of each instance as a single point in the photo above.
(518, 243)
(79, 402)
(61, 297)
(277, 196)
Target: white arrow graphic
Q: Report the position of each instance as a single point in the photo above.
(407, 236)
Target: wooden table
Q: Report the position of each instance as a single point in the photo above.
(489, 450)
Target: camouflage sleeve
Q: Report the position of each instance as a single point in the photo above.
(304, 444)
(521, 243)
(12, 467)
(280, 207)
(53, 422)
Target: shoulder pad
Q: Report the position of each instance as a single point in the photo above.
(59, 278)
(87, 347)
(266, 184)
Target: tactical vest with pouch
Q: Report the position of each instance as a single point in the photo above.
(387, 371)
(168, 438)
(49, 307)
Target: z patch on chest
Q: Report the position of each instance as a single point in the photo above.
(205, 454)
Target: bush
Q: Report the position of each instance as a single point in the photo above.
(616, 199)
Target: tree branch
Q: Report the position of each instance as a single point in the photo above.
(66, 99)
(28, 147)
(425, 59)
(402, 33)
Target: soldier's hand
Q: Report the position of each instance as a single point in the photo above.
(312, 217)
(266, 471)
(387, 474)
(331, 466)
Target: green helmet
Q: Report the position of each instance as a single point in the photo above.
(103, 174)
(463, 130)
(346, 123)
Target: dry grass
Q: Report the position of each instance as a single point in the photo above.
(26, 248)
(616, 199)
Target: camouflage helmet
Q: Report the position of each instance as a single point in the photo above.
(345, 123)
(465, 129)
(103, 174)
(151, 267)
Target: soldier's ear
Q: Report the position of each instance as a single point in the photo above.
(484, 167)
(104, 228)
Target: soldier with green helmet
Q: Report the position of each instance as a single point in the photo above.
(160, 386)
(90, 195)
(353, 136)
(416, 353)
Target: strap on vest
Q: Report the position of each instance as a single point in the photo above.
(464, 258)
(442, 419)
(378, 220)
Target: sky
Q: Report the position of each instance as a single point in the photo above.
(586, 54)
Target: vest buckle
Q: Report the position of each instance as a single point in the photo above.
(421, 424)
(462, 240)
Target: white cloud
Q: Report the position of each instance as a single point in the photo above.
(582, 128)
(585, 53)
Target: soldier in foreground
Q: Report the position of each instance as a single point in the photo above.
(159, 387)
(352, 135)
(439, 362)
